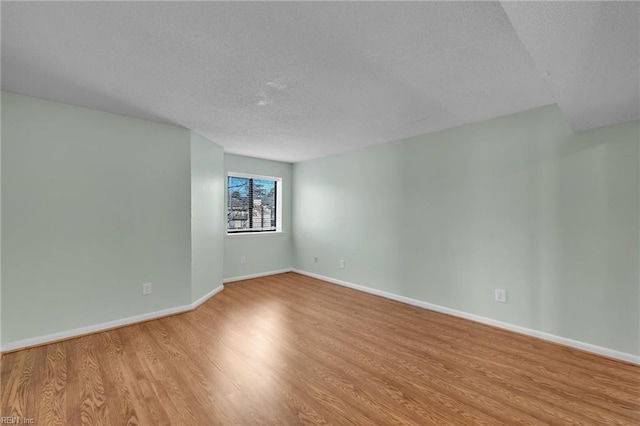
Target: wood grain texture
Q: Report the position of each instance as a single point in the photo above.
(289, 349)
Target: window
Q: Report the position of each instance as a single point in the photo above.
(253, 203)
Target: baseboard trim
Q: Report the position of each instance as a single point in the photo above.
(258, 275)
(109, 325)
(206, 297)
(611, 353)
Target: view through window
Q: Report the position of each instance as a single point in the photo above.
(252, 203)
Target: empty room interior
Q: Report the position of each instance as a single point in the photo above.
(336, 213)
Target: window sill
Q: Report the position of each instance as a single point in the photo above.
(253, 234)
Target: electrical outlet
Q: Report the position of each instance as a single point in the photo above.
(341, 264)
(501, 295)
(243, 260)
(147, 288)
(315, 260)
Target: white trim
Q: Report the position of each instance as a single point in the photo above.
(253, 176)
(277, 180)
(33, 341)
(623, 356)
(206, 297)
(258, 275)
(252, 234)
(90, 329)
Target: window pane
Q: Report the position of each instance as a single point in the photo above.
(251, 204)
(238, 203)
(264, 205)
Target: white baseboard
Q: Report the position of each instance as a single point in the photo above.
(81, 331)
(258, 275)
(206, 297)
(623, 356)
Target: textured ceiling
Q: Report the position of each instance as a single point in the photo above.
(294, 81)
(589, 55)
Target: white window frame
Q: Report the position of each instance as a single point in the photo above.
(278, 181)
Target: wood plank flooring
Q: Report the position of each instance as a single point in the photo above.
(288, 350)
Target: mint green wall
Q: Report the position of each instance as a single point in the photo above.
(519, 203)
(207, 215)
(0, 225)
(93, 205)
(263, 252)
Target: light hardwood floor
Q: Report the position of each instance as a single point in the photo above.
(288, 349)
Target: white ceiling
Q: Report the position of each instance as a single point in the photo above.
(293, 81)
(589, 55)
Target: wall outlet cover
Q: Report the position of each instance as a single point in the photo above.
(501, 295)
(147, 288)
